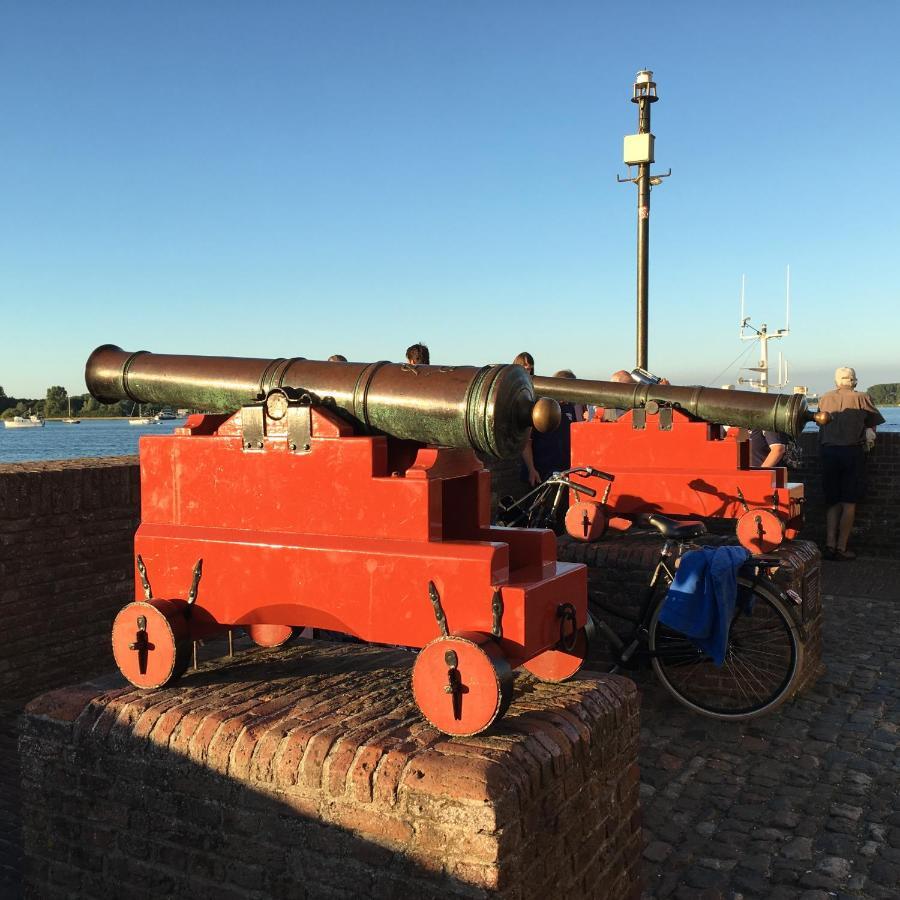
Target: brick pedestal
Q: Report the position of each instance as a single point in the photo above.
(66, 532)
(620, 566)
(308, 771)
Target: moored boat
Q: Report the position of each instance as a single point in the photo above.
(69, 420)
(24, 422)
(141, 419)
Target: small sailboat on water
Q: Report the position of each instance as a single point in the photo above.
(140, 418)
(69, 420)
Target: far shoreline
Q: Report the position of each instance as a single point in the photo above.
(106, 418)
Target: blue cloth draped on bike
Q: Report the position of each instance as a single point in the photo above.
(700, 603)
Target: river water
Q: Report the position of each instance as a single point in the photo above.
(115, 437)
(93, 437)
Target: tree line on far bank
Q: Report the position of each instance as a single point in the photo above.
(887, 394)
(56, 405)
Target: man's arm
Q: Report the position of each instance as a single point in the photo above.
(873, 416)
(774, 457)
(534, 476)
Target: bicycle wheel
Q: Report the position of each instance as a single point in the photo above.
(761, 664)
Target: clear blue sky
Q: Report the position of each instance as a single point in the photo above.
(281, 179)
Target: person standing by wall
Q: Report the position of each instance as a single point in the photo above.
(580, 409)
(767, 448)
(529, 473)
(842, 445)
(612, 414)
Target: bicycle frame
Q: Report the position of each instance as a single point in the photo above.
(639, 634)
(651, 600)
(530, 511)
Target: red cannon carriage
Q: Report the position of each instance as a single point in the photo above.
(669, 456)
(344, 497)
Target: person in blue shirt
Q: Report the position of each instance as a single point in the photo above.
(544, 454)
(767, 448)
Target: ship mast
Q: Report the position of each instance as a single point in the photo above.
(763, 335)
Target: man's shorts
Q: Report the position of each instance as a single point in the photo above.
(843, 474)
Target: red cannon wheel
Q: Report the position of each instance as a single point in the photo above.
(760, 530)
(462, 683)
(558, 664)
(151, 642)
(270, 635)
(585, 521)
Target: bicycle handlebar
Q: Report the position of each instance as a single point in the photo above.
(587, 472)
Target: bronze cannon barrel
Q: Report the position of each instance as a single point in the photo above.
(770, 412)
(490, 408)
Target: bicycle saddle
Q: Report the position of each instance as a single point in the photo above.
(672, 528)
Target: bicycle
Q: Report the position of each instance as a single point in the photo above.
(764, 653)
(540, 507)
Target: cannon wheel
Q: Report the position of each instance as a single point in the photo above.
(586, 521)
(462, 683)
(558, 664)
(760, 530)
(271, 635)
(151, 642)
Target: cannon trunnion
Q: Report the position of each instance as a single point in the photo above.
(286, 514)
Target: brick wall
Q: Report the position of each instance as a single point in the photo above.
(66, 531)
(308, 771)
(877, 528)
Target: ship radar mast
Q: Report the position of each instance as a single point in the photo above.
(762, 334)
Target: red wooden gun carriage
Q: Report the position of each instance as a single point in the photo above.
(669, 455)
(348, 497)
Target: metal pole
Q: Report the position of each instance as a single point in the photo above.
(643, 251)
(639, 153)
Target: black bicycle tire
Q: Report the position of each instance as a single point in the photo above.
(774, 697)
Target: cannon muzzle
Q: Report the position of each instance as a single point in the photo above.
(489, 409)
(770, 412)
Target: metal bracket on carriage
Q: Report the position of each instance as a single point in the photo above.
(435, 598)
(142, 644)
(497, 614)
(195, 584)
(454, 685)
(566, 613)
(282, 413)
(145, 581)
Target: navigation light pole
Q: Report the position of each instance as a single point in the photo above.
(639, 152)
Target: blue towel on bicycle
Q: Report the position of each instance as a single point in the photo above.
(700, 603)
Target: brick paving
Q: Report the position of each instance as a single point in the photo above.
(803, 803)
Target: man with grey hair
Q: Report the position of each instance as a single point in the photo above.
(842, 444)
